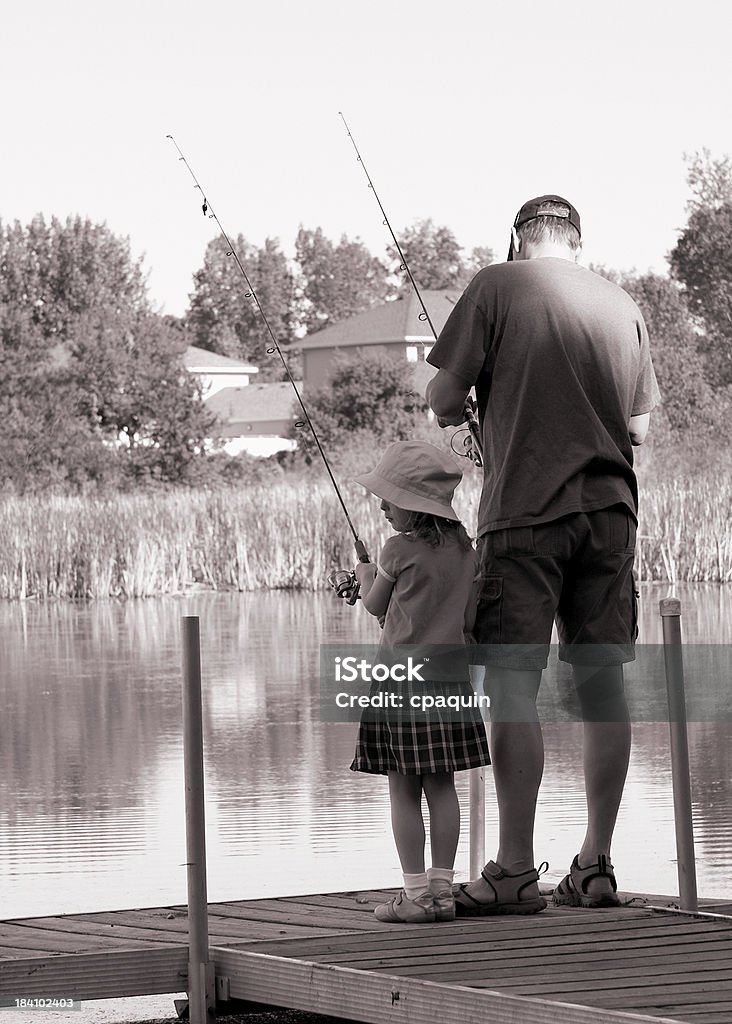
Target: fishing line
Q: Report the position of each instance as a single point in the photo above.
(470, 415)
(208, 211)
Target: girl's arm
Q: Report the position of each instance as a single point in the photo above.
(375, 589)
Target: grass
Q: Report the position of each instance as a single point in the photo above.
(685, 531)
(287, 535)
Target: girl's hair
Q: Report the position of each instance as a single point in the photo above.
(434, 529)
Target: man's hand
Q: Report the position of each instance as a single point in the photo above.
(638, 428)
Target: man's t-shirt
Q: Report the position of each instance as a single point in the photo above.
(560, 361)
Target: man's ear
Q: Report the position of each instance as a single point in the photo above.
(516, 241)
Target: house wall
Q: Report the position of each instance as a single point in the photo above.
(262, 428)
(211, 383)
(262, 447)
(317, 363)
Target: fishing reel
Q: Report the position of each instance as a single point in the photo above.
(345, 584)
(462, 443)
(472, 444)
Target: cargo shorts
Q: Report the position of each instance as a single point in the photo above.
(577, 572)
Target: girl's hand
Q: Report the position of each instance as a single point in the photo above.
(365, 573)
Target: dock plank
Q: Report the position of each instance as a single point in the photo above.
(386, 999)
(107, 975)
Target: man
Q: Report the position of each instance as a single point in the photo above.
(560, 361)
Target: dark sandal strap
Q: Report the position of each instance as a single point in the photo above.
(531, 877)
(581, 877)
(463, 891)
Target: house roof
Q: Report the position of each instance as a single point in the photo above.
(255, 403)
(398, 320)
(200, 360)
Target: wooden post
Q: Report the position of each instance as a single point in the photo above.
(683, 819)
(201, 994)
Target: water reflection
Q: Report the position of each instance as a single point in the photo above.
(91, 793)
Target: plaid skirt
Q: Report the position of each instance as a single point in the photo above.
(422, 741)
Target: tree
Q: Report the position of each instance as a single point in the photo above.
(702, 261)
(223, 316)
(688, 399)
(83, 360)
(47, 440)
(480, 256)
(709, 179)
(336, 281)
(137, 389)
(435, 258)
(371, 393)
(58, 271)
(432, 254)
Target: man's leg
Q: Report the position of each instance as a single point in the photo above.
(607, 737)
(517, 754)
(520, 578)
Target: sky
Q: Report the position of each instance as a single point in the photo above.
(461, 111)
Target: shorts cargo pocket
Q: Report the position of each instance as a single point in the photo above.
(622, 530)
(636, 599)
(488, 615)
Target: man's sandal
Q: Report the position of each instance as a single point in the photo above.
(509, 893)
(572, 890)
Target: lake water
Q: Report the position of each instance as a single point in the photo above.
(91, 769)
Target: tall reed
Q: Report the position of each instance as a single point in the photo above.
(286, 535)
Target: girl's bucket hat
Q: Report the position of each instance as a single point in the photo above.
(415, 476)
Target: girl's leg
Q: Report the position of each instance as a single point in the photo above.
(439, 789)
(414, 904)
(442, 801)
(405, 794)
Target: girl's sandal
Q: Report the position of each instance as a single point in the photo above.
(402, 910)
(509, 896)
(572, 890)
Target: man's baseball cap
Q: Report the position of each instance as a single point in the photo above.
(546, 206)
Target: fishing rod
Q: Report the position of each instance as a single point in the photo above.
(474, 442)
(208, 211)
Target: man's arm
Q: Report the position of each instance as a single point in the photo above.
(446, 394)
(638, 427)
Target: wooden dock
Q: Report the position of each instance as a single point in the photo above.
(327, 953)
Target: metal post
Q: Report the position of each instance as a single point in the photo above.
(200, 989)
(476, 849)
(477, 821)
(683, 820)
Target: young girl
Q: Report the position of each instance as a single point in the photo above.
(422, 589)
